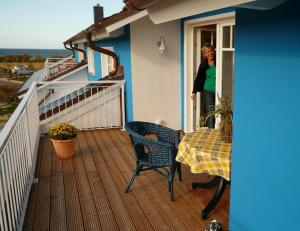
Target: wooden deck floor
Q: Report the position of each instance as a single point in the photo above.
(87, 192)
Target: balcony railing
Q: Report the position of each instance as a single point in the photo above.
(55, 66)
(18, 149)
(87, 105)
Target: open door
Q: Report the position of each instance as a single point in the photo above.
(219, 33)
(202, 35)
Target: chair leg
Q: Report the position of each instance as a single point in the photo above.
(170, 179)
(179, 171)
(171, 190)
(135, 173)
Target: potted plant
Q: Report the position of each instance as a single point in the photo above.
(224, 110)
(63, 137)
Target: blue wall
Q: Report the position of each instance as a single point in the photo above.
(122, 48)
(207, 14)
(266, 144)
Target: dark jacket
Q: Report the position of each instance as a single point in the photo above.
(201, 76)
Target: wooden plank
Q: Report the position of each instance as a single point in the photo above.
(42, 210)
(29, 218)
(104, 210)
(57, 212)
(39, 157)
(119, 209)
(153, 214)
(159, 202)
(45, 167)
(86, 155)
(68, 167)
(30, 210)
(134, 210)
(73, 210)
(87, 203)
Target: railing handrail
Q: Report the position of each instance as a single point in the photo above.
(43, 84)
(69, 57)
(11, 123)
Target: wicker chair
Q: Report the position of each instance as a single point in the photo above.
(154, 154)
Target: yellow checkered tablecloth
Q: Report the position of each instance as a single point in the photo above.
(205, 152)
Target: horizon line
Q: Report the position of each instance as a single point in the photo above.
(36, 48)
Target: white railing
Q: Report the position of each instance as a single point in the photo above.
(18, 150)
(54, 66)
(85, 104)
(92, 105)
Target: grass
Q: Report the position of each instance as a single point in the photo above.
(33, 65)
(8, 107)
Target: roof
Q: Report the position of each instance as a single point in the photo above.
(102, 25)
(35, 77)
(131, 8)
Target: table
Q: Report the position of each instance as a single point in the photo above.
(205, 152)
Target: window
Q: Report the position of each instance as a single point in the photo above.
(107, 62)
(91, 63)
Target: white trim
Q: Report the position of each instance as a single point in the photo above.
(102, 35)
(80, 54)
(106, 62)
(91, 61)
(128, 20)
(214, 19)
(188, 59)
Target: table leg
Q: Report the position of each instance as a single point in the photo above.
(210, 184)
(220, 182)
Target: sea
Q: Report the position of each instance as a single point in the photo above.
(46, 53)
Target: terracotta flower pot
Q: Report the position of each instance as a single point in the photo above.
(65, 149)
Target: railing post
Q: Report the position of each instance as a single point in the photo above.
(47, 68)
(123, 105)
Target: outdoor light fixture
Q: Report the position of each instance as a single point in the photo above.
(162, 45)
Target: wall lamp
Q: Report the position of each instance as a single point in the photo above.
(162, 47)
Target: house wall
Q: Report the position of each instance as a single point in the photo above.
(156, 76)
(266, 144)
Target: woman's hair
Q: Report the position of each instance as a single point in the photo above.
(206, 46)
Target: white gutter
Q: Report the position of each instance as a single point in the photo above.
(126, 21)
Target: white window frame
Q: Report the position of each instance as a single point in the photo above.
(189, 26)
(107, 62)
(91, 61)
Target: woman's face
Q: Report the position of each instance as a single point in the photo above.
(210, 53)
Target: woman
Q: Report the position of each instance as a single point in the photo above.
(206, 81)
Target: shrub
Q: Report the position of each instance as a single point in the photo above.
(62, 131)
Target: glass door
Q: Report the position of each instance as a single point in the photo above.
(225, 62)
(202, 35)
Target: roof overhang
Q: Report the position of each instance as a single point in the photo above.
(166, 11)
(161, 11)
(126, 21)
(100, 35)
(262, 4)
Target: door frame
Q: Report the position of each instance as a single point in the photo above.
(189, 26)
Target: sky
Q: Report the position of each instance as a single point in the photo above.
(46, 24)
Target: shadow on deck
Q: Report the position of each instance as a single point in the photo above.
(87, 192)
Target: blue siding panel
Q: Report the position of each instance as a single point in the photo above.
(266, 143)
